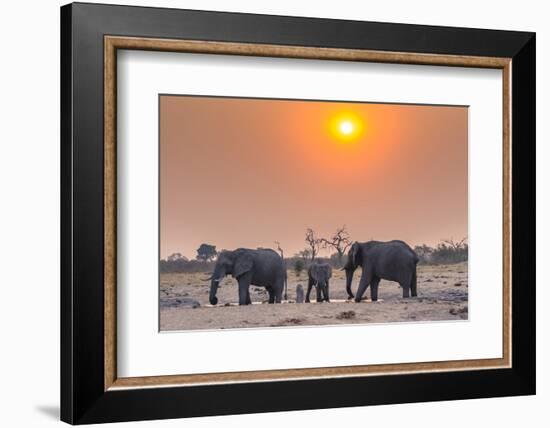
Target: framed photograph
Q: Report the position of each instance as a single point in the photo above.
(277, 213)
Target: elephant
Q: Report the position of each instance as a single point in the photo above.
(261, 267)
(319, 275)
(299, 294)
(393, 261)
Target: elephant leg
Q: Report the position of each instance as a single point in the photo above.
(244, 284)
(279, 289)
(406, 284)
(271, 295)
(366, 277)
(349, 279)
(326, 293)
(374, 289)
(309, 285)
(248, 300)
(319, 292)
(413, 284)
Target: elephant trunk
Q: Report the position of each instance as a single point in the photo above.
(217, 277)
(213, 291)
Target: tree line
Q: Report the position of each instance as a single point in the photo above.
(447, 251)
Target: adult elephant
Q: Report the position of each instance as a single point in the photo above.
(393, 261)
(319, 275)
(262, 267)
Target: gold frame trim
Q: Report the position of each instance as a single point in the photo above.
(112, 43)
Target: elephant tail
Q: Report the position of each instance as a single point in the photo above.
(286, 285)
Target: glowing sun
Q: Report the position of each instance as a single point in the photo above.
(346, 126)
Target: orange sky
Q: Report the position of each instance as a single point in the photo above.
(247, 172)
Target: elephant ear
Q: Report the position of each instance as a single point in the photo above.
(243, 264)
(355, 254)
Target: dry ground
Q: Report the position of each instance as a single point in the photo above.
(442, 295)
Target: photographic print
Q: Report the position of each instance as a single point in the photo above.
(296, 183)
(282, 212)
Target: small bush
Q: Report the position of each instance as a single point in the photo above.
(298, 266)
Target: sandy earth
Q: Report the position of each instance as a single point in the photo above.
(442, 295)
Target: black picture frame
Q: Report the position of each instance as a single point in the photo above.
(83, 398)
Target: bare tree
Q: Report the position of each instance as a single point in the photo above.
(340, 241)
(281, 252)
(455, 245)
(305, 254)
(280, 249)
(313, 242)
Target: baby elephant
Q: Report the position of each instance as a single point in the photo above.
(319, 275)
(299, 294)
